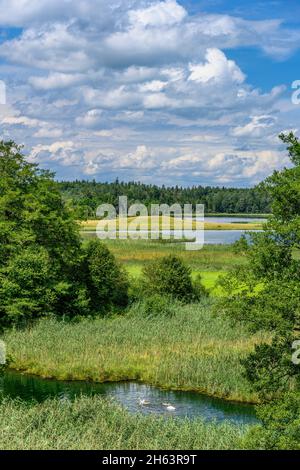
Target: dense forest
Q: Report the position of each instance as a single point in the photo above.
(86, 196)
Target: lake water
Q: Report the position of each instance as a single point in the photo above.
(223, 237)
(130, 395)
(211, 237)
(234, 220)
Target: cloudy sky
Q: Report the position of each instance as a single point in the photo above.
(160, 91)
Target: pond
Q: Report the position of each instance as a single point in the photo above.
(135, 397)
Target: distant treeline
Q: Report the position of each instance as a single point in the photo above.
(86, 196)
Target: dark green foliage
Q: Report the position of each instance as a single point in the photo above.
(271, 305)
(241, 246)
(39, 241)
(170, 276)
(43, 269)
(199, 291)
(26, 288)
(269, 257)
(106, 281)
(270, 369)
(32, 210)
(86, 196)
(281, 426)
(266, 295)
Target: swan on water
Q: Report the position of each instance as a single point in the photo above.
(169, 406)
(143, 402)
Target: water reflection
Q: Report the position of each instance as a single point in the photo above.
(131, 395)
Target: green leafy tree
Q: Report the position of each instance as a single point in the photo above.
(40, 248)
(43, 268)
(170, 276)
(26, 287)
(106, 280)
(280, 429)
(266, 295)
(32, 210)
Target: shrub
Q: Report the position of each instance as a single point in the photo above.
(240, 246)
(106, 280)
(280, 429)
(170, 276)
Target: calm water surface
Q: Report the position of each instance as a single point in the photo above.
(234, 220)
(130, 395)
(211, 237)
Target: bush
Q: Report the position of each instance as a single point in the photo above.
(170, 276)
(240, 246)
(106, 280)
(280, 429)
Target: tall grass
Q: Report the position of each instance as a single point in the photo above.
(167, 223)
(210, 262)
(210, 258)
(97, 424)
(192, 350)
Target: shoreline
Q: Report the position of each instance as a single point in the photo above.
(74, 379)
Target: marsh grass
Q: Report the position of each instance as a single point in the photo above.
(192, 350)
(210, 258)
(167, 223)
(211, 262)
(95, 423)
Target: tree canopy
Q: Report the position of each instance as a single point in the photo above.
(86, 196)
(43, 267)
(265, 294)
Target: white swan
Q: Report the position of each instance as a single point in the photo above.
(143, 402)
(169, 406)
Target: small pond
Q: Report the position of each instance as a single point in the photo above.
(136, 397)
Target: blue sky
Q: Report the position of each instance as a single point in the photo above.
(161, 91)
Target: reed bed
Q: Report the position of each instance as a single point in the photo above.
(98, 424)
(192, 350)
(210, 258)
(165, 223)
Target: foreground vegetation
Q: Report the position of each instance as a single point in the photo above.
(97, 424)
(189, 350)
